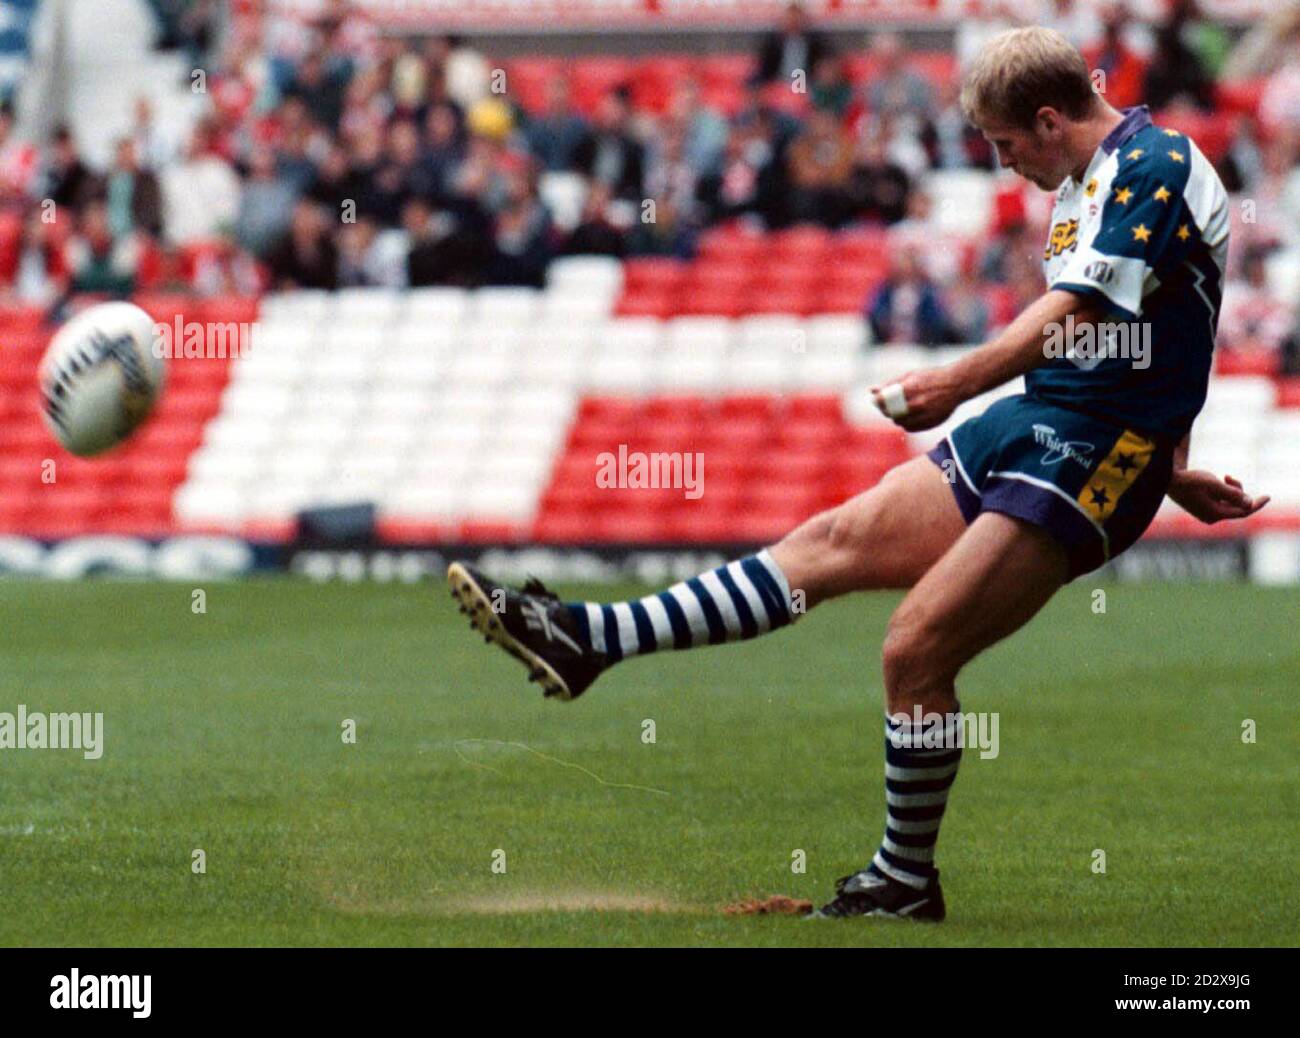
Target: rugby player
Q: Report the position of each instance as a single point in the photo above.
(1042, 487)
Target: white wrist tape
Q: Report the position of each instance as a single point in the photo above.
(892, 400)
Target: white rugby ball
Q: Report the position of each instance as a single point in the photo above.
(100, 377)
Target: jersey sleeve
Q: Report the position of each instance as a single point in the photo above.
(1145, 226)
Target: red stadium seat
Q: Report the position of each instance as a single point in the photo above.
(725, 69)
(647, 303)
(731, 241)
(653, 272)
(526, 80)
(590, 79)
(805, 243)
(720, 274)
(1259, 361)
(842, 299)
(1240, 97)
(1288, 391)
(728, 99)
(706, 302)
(655, 79)
(239, 309)
(800, 300)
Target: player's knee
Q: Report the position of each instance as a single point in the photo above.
(849, 529)
(915, 669)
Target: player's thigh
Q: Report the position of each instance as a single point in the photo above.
(997, 576)
(885, 537)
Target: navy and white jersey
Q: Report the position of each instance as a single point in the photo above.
(1145, 232)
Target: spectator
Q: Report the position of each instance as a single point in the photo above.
(704, 131)
(1121, 68)
(444, 249)
(370, 256)
(369, 195)
(366, 108)
(444, 144)
(298, 140)
(467, 73)
(670, 176)
(950, 141)
(412, 78)
(907, 308)
(1175, 73)
(68, 180)
(599, 232)
(200, 195)
(40, 273)
(1010, 255)
(557, 135)
(879, 188)
(667, 234)
(1208, 40)
(266, 205)
(522, 231)
(792, 48)
(133, 194)
(968, 311)
(1076, 21)
(402, 173)
(1253, 315)
(1279, 108)
(895, 89)
(333, 181)
(611, 154)
(305, 257)
(820, 164)
(18, 162)
(223, 269)
(153, 148)
(750, 179)
(831, 89)
(97, 262)
(320, 85)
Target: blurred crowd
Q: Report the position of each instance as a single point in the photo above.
(332, 155)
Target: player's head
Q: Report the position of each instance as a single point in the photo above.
(1025, 90)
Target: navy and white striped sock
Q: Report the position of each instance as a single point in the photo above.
(742, 599)
(917, 781)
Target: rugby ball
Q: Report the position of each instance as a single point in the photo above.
(100, 377)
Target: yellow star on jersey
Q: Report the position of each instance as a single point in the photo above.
(1136, 153)
(1140, 233)
(1123, 195)
(1184, 233)
(1171, 133)
(1177, 156)
(1162, 194)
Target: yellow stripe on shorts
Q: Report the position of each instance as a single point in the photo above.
(1116, 474)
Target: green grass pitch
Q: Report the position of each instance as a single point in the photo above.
(1119, 731)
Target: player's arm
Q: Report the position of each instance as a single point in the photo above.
(1204, 495)
(931, 395)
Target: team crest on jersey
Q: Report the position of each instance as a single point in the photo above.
(1064, 238)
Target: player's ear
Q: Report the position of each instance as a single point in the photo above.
(1047, 122)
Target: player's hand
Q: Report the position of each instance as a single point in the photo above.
(1210, 499)
(928, 397)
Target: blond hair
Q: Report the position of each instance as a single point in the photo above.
(1019, 71)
